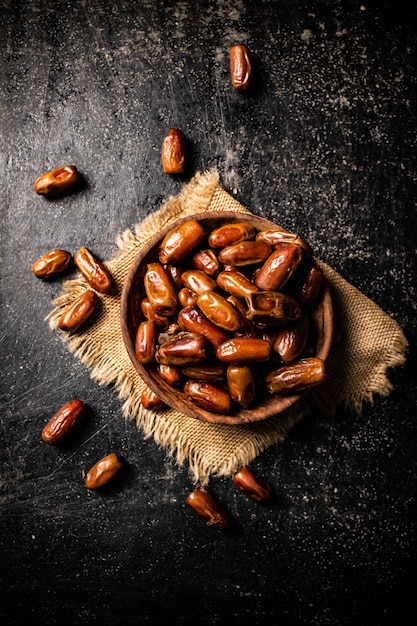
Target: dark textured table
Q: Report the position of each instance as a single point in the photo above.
(325, 146)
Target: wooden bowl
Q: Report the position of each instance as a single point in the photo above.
(133, 292)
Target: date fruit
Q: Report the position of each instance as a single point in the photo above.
(78, 312)
(160, 290)
(145, 342)
(229, 234)
(181, 241)
(150, 400)
(209, 508)
(298, 376)
(103, 471)
(52, 263)
(93, 270)
(252, 485)
(240, 67)
(64, 421)
(208, 396)
(241, 385)
(57, 181)
(173, 152)
(242, 350)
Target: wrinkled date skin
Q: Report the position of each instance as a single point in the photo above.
(241, 385)
(185, 349)
(236, 283)
(252, 485)
(57, 181)
(150, 400)
(103, 471)
(207, 261)
(290, 341)
(208, 396)
(160, 290)
(298, 376)
(191, 319)
(78, 312)
(245, 253)
(217, 303)
(93, 270)
(173, 152)
(229, 234)
(64, 421)
(241, 350)
(52, 263)
(209, 509)
(181, 241)
(279, 267)
(145, 342)
(272, 307)
(198, 281)
(240, 67)
(219, 311)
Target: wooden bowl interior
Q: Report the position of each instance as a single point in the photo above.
(133, 292)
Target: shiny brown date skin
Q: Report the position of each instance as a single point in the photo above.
(279, 267)
(191, 319)
(64, 420)
(220, 312)
(150, 400)
(173, 152)
(245, 253)
(272, 307)
(93, 270)
(291, 340)
(209, 508)
(181, 241)
(185, 349)
(198, 281)
(160, 290)
(78, 312)
(103, 471)
(149, 312)
(252, 485)
(186, 297)
(57, 181)
(174, 271)
(207, 396)
(170, 374)
(229, 234)
(244, 350)
(241, 385)
(235, 283)
(297, 376)
(240, 67)
(52, 263)
(145, 341)
(277, 237)
(310, 286)
(207, 261)
(206, 372)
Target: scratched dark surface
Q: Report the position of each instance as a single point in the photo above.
(325, 146)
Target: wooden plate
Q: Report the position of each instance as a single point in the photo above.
(133, 292)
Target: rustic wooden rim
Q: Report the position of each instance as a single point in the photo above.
(269, 405)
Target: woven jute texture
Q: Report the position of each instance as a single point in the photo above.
(371, 343)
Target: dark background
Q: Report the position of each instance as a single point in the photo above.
(325, 146)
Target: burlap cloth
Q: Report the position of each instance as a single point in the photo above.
(370, 343)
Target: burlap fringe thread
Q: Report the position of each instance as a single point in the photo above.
(182, 437)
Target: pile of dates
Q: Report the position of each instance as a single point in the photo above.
(227, 315)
